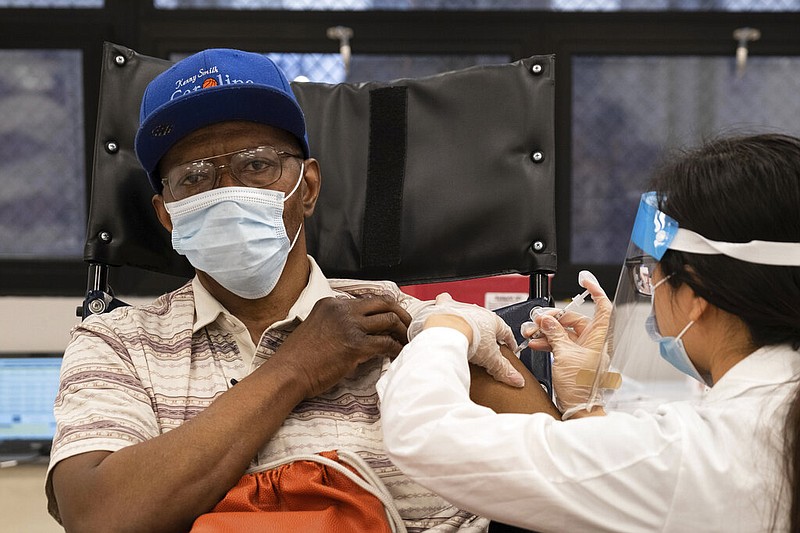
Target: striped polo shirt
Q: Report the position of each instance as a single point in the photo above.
(137, 372)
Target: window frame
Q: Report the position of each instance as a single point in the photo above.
(159, 33)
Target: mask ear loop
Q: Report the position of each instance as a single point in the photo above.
(684, 330)
(296, 235)
(652, 306)
(657, 285)
(297, 184)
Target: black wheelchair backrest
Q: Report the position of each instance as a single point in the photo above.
(438, 178)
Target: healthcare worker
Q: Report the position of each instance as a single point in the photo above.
(715, 263)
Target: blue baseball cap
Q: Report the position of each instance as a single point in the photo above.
(215, 85)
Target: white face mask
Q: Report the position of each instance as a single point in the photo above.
(236, 235)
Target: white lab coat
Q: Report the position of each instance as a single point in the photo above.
(712, 466)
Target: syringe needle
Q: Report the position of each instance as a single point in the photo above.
(576, 301)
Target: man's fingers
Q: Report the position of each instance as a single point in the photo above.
(386, 345)
(386, 323)
(378, 304)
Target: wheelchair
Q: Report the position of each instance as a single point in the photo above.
(442, 178)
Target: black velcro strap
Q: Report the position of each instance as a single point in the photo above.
(383, 208)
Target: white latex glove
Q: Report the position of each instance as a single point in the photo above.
(577, 345)
(489, 331)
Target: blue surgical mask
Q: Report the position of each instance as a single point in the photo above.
(671, 348)
(236, 235)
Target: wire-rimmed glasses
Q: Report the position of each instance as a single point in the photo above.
(252, 167)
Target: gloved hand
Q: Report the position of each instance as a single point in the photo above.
(488, 332)
(577, 346)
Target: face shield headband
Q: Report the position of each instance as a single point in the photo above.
(655, 232)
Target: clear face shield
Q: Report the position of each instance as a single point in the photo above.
(629, 351)
(647, 380)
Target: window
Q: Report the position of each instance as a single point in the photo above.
(42, 200)
(487, 5)
(628, 111)
(629, 86)
(329, 68)
(52, 3)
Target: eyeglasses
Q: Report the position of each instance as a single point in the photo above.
(252, 167)
(641, 269)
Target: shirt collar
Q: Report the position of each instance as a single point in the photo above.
(318, 287)
(768, 366)
(207, 309)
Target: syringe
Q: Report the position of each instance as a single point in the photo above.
(576, 301)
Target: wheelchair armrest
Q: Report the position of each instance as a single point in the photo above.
(539, 363)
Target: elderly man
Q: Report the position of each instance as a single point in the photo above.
(171, 415)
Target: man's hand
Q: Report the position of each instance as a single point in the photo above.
(340, 334)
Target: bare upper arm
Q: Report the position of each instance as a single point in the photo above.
(502, 398)
(64, 484)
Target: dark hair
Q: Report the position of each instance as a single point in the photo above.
(740, 189)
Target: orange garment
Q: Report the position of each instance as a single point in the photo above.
(303, 495)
